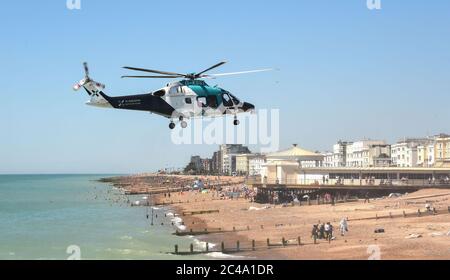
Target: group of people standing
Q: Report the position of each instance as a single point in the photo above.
(325, 230)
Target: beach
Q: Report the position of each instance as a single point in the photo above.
(406, 233)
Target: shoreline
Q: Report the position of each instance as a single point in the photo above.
(410, 237)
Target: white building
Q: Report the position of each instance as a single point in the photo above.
(405, 152)
(338, 157)
(425, 155)
(255, 165)
(358, 153)
(228, 155)
(328, 159)
(305, 158)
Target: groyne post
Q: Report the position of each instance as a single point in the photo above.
(192, 248)
(268, 242)
(283, 241)
(176, 249)
(299, 241)
(404, 214)
(253, 245)
(223, 247)
(237, 246)
(207, 247)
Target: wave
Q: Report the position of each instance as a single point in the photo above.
(126, 237)
(177, 221)
(201, 245)
(220, 255)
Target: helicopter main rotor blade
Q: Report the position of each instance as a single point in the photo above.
(154, 71)
(210, 68)
(236, 73)
(154, 77)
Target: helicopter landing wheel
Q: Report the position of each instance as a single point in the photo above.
(172, 125)
(183, 124)
(236, 122)
(181, 118)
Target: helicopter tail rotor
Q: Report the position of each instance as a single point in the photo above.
(87, 80)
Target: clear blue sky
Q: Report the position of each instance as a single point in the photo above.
(346, 72)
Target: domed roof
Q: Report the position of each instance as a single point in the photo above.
(294, 152)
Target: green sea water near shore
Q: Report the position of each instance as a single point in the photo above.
(41, 216)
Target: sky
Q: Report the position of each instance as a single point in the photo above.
(345, 72)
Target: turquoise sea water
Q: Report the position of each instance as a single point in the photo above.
(42, 215)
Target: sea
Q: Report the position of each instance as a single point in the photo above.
(70, 217)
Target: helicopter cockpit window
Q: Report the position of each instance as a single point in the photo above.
(227, 100)
(201, 101)
(212, 101)
(188, 100)
(235, 100)
(176, 89)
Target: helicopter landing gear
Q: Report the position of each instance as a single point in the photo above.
(236, 121)
(183, 123)
(172, 125)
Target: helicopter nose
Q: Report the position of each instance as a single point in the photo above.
(248, 107)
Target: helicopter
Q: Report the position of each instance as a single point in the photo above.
(190, 97)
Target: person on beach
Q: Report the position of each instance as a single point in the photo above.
(343, 226)
(322, 231)
(328, 231)
(367, 199)
(314, 233)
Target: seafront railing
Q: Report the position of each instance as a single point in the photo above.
(351, 182)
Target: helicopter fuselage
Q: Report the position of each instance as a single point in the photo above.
(182, 99)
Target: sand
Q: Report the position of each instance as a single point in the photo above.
(430, 237)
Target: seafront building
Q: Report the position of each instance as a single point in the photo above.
(380, 155)
(430, 152)
(442, 150)
(249, 164)
(255, 165)
(358, 153)
(425, 155)
(405, 152)
(338, 157)
(227, 156)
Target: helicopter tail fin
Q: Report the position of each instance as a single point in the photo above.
(93, 89)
